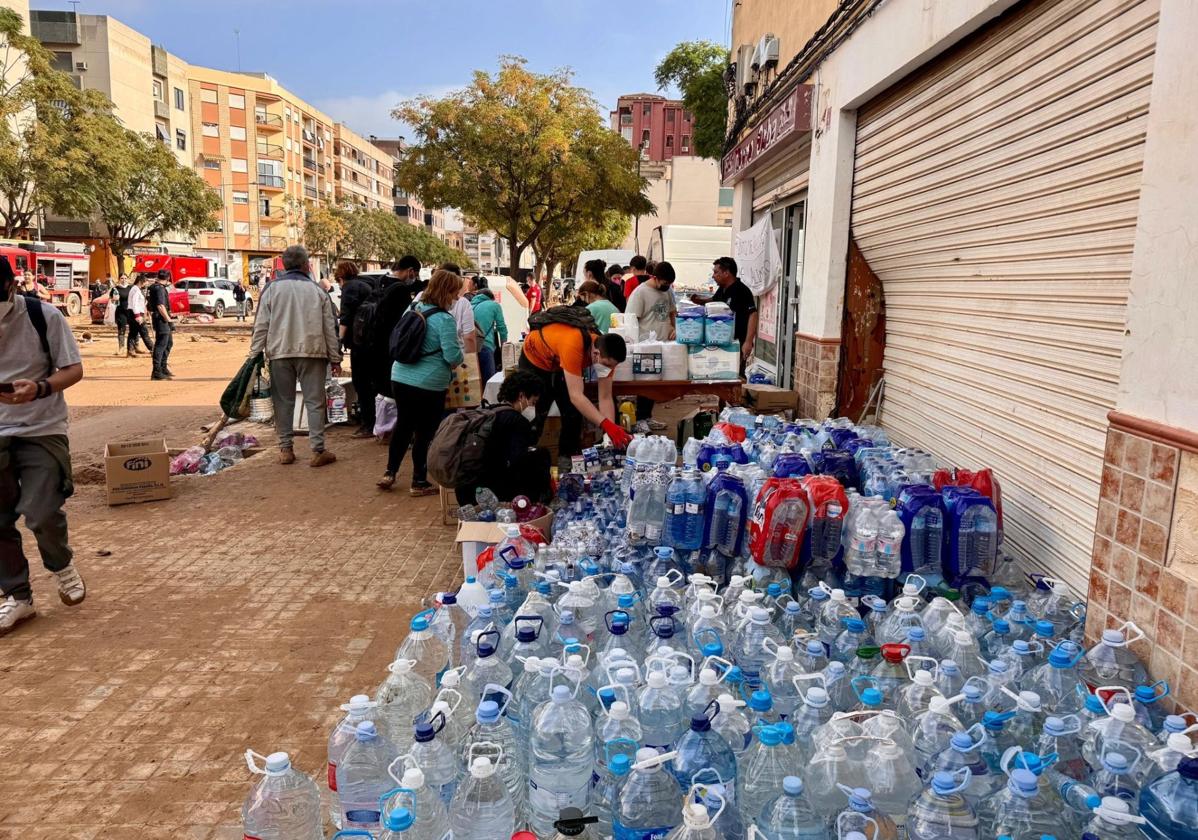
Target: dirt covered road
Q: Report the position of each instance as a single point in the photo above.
(238, 614)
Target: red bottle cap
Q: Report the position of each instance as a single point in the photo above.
(895, 652)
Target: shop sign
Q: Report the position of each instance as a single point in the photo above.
(790, 115)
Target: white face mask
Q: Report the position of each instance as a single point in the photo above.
(601, 371)
(529, 413)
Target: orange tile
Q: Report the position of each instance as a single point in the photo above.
(1148, 577)
(1127, 528)
(1143, 611)
(1170, 632)
(1158, 503)
(1187, 688)
(1137, 452)
(1108, 517)
(1099, 584)
(1119, 601)
(1114, 447)
(1174, 593)
(1123, 565)
(1131, 493)
(1112, 480)
(1163, 465)
(1153, 541)
(1164, 666)
(1102, 554)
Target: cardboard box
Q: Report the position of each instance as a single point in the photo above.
(769, 399)
(449, 506)
(139, 471)
(474, 537)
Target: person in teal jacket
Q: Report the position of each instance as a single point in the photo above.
(419, 388)
(489, 323)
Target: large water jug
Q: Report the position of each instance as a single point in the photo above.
(1170, 804)
(733, 725)
(790, 815)
(1021, 810)
(760, 779)
(482, 808)
(425, 648)
(1111, 662)
(362, 777)
(359, 708)
(487, 670)
(727, 507)
(863, 815)
(430, 818)
(283, 805)
(399, 698)
(942, 812)
(442, 769)
(647, 804)
(701, 748)
(1113, 820)
(561, 758)
(492, 736)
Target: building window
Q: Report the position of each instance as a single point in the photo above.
(181, 139)
(645, 136)
(287, 143)
(157, 90)
(210, 129)
(241, 197)
(209, 163)
(726, 196)
(646, 109)
(237, 132)
(179, 103)
(669, 141)
(286, 113)
(669, 115)
(241, 228)
(264, 207)
(208, 95)
(686, 143)
(237, 100)
(238, 165)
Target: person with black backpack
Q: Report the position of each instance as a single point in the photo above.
(565, 349)
(426, 349)
(354, 292)
(376, 316)
(39, 359)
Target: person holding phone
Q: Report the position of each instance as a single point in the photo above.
(39, 359)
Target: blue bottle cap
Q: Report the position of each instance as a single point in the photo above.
(419, 622)
(817, 593)
(425, 732)
(488, 711)
(1174, 723)
(496, 596)
(1021, 647)
(543, 587)
(366, 731)
(607, 696)
(1023, 781)
(972, 692)
(943, 782)
(793, 608)
(998, 666)
(712, 649)
(526, 634)
(700, 723)
(792, 785)
(949, 666)
(1061, 657)
(400, 819)
(620, 764)
(861, 800)
(980, 606)
(999, 593)
(760, 701)
(1145, 694)
(625, 601)
(815, 648)
(871, 697)
(1094, 704)
(916, 634)
(1045, 628)
(1054, 726)
(1115, 762)
(448, 598)
(485, 611)
(853, 625)
(560, 694)
(769, 736)
(961, 742)
(1002, 626)
(1188, 768)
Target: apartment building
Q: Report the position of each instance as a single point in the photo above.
(363, 173)
(408, 207)
(660, 127)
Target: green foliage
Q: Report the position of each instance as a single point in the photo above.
(563, 242)
(147, 192)
(325, 230)
(518, 151)
(697, 69)
(54, 138)
(373, 236)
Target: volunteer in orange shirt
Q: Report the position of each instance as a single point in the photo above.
(564, 356)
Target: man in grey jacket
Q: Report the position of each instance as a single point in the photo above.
(297, 330)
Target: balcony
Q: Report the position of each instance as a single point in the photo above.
(275, 214)
(52, 27)
(267, 242)
(271, 182)
(269, 150)
(162, 111)
(310, 192)
(308, 135)
(309, 163)
(268, 122)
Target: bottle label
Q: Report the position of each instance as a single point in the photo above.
(692, 507)
(362, 818)
(333, 776)
(680, 509)
(620, 832)
(549, 800)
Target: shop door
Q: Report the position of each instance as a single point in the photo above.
(778, 311)
(995, 196)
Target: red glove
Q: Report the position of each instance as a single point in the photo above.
(619, 438)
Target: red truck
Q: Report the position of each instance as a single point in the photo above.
(62, 267)
(180, 268)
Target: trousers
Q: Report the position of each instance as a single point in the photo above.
(570, 442)
(164, 340)
(420, 412)
(310, 375)
(31, 485)
(363, 378)
(138, 329)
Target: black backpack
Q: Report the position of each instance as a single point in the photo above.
(571, 316)
(363, 329)
(455, 456)
(407, 339)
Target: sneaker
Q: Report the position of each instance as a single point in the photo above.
(13, 612)
(386, 482)
(286, 456)
(319, 459)
(422, 488)
(362, 433)
(158, 377)
(70, 586)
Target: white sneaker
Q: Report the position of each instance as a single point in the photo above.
(13, 612)
(70, 586)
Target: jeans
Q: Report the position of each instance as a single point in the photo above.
(164, 340)
(486, 364)
(30, 486)
(311, 375)
(361, 375)
(420, 412)
(570, 441)
(123, 319)
(241, 310)
(138, 329)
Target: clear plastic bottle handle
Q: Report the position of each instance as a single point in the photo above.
(494, 688)
(917, 659)
(842, 834)
(1107, 705)
(713, 660)
(489, 744)
(814, 676)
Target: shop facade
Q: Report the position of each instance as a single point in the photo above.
(987, 198)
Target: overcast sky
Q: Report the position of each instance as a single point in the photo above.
(355, 59)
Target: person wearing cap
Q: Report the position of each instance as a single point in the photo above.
(159, 303)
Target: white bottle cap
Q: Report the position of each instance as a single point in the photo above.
(359, 704)
(482, 768)
(656, 679)
(785, 653)
(837, 595)
(759, 615)
(618, 710)
(922, 677)
(707, 611)
(1123, 713)
(663, 582)
(413, 778)
(278, 763)
(963, 637)
(645, 754)
(708, 676)
(1180, 743)
(574, 661)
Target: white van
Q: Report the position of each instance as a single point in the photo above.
(609, 256)
(691, 249)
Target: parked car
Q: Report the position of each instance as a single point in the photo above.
(213, 295)
(178, 300)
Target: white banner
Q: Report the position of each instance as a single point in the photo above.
(757, 258)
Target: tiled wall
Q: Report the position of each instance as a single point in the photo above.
(815, 375)
(1143, 569)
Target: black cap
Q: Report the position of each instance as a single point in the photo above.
(572, 823)
(700, 723)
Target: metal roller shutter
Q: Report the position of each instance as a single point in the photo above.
(995, 194)
(784, 177)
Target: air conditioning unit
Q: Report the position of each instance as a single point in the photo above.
(81, 66)
(746, 75)
(766, 54)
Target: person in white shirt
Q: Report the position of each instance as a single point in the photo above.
(138, 316)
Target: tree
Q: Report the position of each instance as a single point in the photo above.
(563, 242)
(54, 138)
(147, 193)
(697, 69)
(518, 151)
(325, 230)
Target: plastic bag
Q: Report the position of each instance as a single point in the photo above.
(110, 312)
(385, 415)
(188, 461)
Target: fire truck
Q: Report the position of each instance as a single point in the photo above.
(180, 267)
(62, 267)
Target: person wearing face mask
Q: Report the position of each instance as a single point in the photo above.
(563, 348)
(511, 464)
(39, 359)
(380, 312)
(652, 302)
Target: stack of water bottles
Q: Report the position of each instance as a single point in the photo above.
(754, 649)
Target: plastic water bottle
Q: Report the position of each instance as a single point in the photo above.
(1111, 661)
(609, 778)
(1169, 804)
(1120, 727)
(358, 709)
(700, 748)
(888, 543)
(471, 596)
(864, 816)
(425, 648)
(1019, 810)
(760, 779)
(1113, 820)
(1115, 777)
(647, 805)
(790, 815)
(660, 710)
(441, 767)
(492, 736)
(399, 699)
(283, 805)
(562, 755)
(450, 621)
(431, 820)
(482, 808)
(942, 812)
(749, 647)
(486, 671)
(362, 777)
(733, 726)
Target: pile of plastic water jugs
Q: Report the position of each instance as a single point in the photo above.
(782, 639)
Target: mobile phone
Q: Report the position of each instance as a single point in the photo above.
(6, 388)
